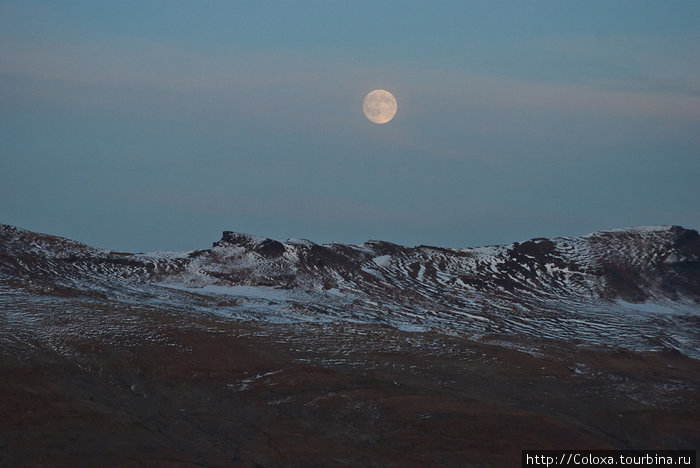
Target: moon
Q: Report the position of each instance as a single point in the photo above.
(379, 106)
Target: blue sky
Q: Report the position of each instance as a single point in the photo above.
(156, 125)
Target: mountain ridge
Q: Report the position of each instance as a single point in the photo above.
(593, 288)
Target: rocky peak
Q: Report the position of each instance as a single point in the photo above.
(264, 246)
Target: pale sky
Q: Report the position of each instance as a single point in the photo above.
(144, 125)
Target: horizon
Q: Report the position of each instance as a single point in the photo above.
(370, 240)
(144, 126)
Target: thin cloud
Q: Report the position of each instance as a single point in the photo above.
(265, 83)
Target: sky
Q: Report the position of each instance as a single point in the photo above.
(155, 125)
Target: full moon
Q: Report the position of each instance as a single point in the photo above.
(379, 106)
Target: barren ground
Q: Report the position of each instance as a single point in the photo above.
(95, 385)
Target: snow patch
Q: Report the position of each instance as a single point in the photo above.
(256, 292)
(421, 273)
(653, 308)
(382, 261)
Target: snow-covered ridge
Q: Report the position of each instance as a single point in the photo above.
(581, 288)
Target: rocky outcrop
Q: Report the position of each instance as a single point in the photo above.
(269, 248)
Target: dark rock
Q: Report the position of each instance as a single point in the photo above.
(266, 247)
